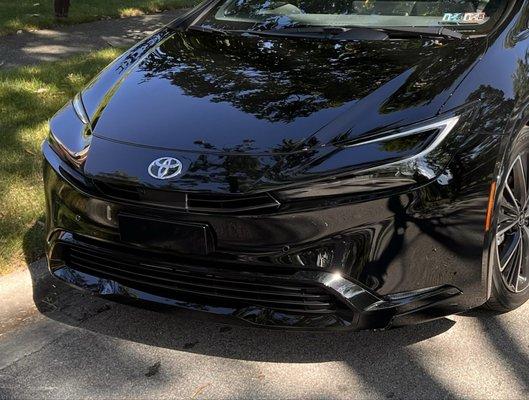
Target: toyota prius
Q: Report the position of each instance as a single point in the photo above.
(303, 164)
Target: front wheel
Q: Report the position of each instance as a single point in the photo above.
(510, 247)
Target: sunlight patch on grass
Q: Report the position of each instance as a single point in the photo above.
(29, 96)
(130, 12)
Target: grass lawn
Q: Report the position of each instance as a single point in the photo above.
(37, 14)
(29, 96)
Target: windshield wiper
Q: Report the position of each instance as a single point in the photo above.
(431, 31)
(340, 33)
(331, 32)
(357, 32)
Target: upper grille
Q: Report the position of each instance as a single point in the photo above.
(192, 285)
(195, 202)
(203, 202)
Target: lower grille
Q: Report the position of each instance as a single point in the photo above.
(177, 282)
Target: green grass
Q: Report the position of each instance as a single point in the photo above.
(29, 96)
(26, 15)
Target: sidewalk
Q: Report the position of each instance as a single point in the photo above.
(53, 44)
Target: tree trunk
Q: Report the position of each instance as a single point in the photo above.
(61, 8)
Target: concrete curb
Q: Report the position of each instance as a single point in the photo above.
(17, 289)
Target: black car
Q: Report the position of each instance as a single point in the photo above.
(305, 164)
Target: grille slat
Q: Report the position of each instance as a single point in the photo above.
(180, 272)
(273, 293)
(299, 295)
(253, 301)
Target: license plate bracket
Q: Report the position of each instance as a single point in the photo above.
(180, 236)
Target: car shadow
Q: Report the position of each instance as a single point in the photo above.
(383, 361)
(178, 329)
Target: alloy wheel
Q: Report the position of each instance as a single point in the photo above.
(512, 233)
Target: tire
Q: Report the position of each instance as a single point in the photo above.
(510, 243)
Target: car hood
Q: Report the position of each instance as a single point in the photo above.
(197, 91)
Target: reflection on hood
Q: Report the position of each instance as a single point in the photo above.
(203, 91)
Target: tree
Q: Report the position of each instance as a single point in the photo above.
(61, 8)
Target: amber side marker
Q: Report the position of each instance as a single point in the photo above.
(490, 207)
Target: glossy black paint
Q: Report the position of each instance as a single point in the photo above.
(249, 115)
(210, 93)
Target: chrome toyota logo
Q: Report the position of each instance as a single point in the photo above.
(165, 168)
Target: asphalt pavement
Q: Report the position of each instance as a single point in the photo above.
(57, 342)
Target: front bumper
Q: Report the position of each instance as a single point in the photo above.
(391, 273)
(303, 299)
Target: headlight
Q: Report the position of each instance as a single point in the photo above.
(377, 162)
(71, 131)
(428, 136)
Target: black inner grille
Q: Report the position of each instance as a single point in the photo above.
(201, 202)
(207, 288)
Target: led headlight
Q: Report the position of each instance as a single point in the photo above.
(400, 159)
(71, 131)
(430, 136)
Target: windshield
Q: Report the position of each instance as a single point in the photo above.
(476, 15)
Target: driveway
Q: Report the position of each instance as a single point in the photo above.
(56, 342)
